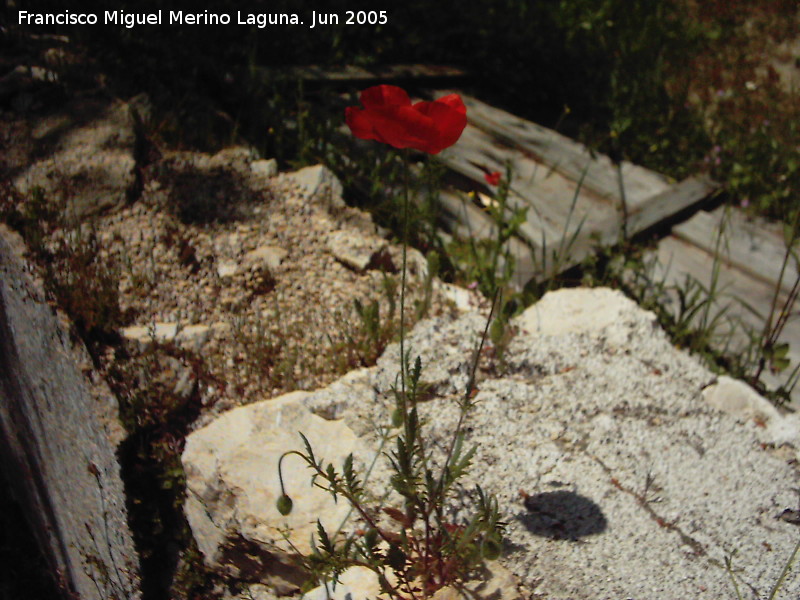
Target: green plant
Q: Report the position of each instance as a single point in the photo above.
(363, 339)
(424, 305)
(770, 351)
(416, 549)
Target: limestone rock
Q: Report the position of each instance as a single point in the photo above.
(597, 443)
(318, 183)
(270, 257)
(193, 337)
(232, 480)
(595, 439)
(237, 158)
(741, 401)
(264, 168)
(357, 583)
(360, 583)
(93, 164)
(227, 268)
(358, 251)
(587, 310)
(144, 336)
(464, 299)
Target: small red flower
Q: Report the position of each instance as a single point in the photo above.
(389, 117)
(492, 178)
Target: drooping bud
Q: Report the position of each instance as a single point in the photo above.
(284, 504)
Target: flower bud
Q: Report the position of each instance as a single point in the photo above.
(284, 505)
(397, 418)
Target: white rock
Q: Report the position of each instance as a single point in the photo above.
(357, 583)
(594, 452)
(320, 184)
(193, 336)
(356, 250)
(264, 168)
(144, 336)
(586, 310)
(232, 476)
(360, 583)
(268, 256)
(462, 298)
(227, 268)
(236, 158)
(743, 402)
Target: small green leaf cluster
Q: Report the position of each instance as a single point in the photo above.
(414, 548)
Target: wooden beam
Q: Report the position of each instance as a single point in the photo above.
(755, 246)
(355, 75)
(564, 155)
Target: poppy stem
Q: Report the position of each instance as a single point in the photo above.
(403, 285)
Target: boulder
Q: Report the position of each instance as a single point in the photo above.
(360, 583)
(232, 486)
(269, 257)
(59, 436)
(742, 402)
(264, 168)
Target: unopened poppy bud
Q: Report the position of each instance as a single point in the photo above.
(397, 417)
(284, 505)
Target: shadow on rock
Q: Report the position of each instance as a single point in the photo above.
(562, 515)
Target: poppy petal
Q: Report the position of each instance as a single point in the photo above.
(449, 122)
(454, 101)
(380, 96)
(360, 123)
(389, 117)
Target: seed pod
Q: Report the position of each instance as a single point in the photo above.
(284, 505)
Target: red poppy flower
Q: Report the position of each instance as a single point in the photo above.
(492, 178)
(389, 117)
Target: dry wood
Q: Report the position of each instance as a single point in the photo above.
(737, 290)
(565, 155)
(360, 75)
(753, 246)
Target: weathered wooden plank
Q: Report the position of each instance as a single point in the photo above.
(546, 195)
(678, 257)
(653, 210)
(565, 155)
(572, 198)
(355, 75)
(753, 246)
